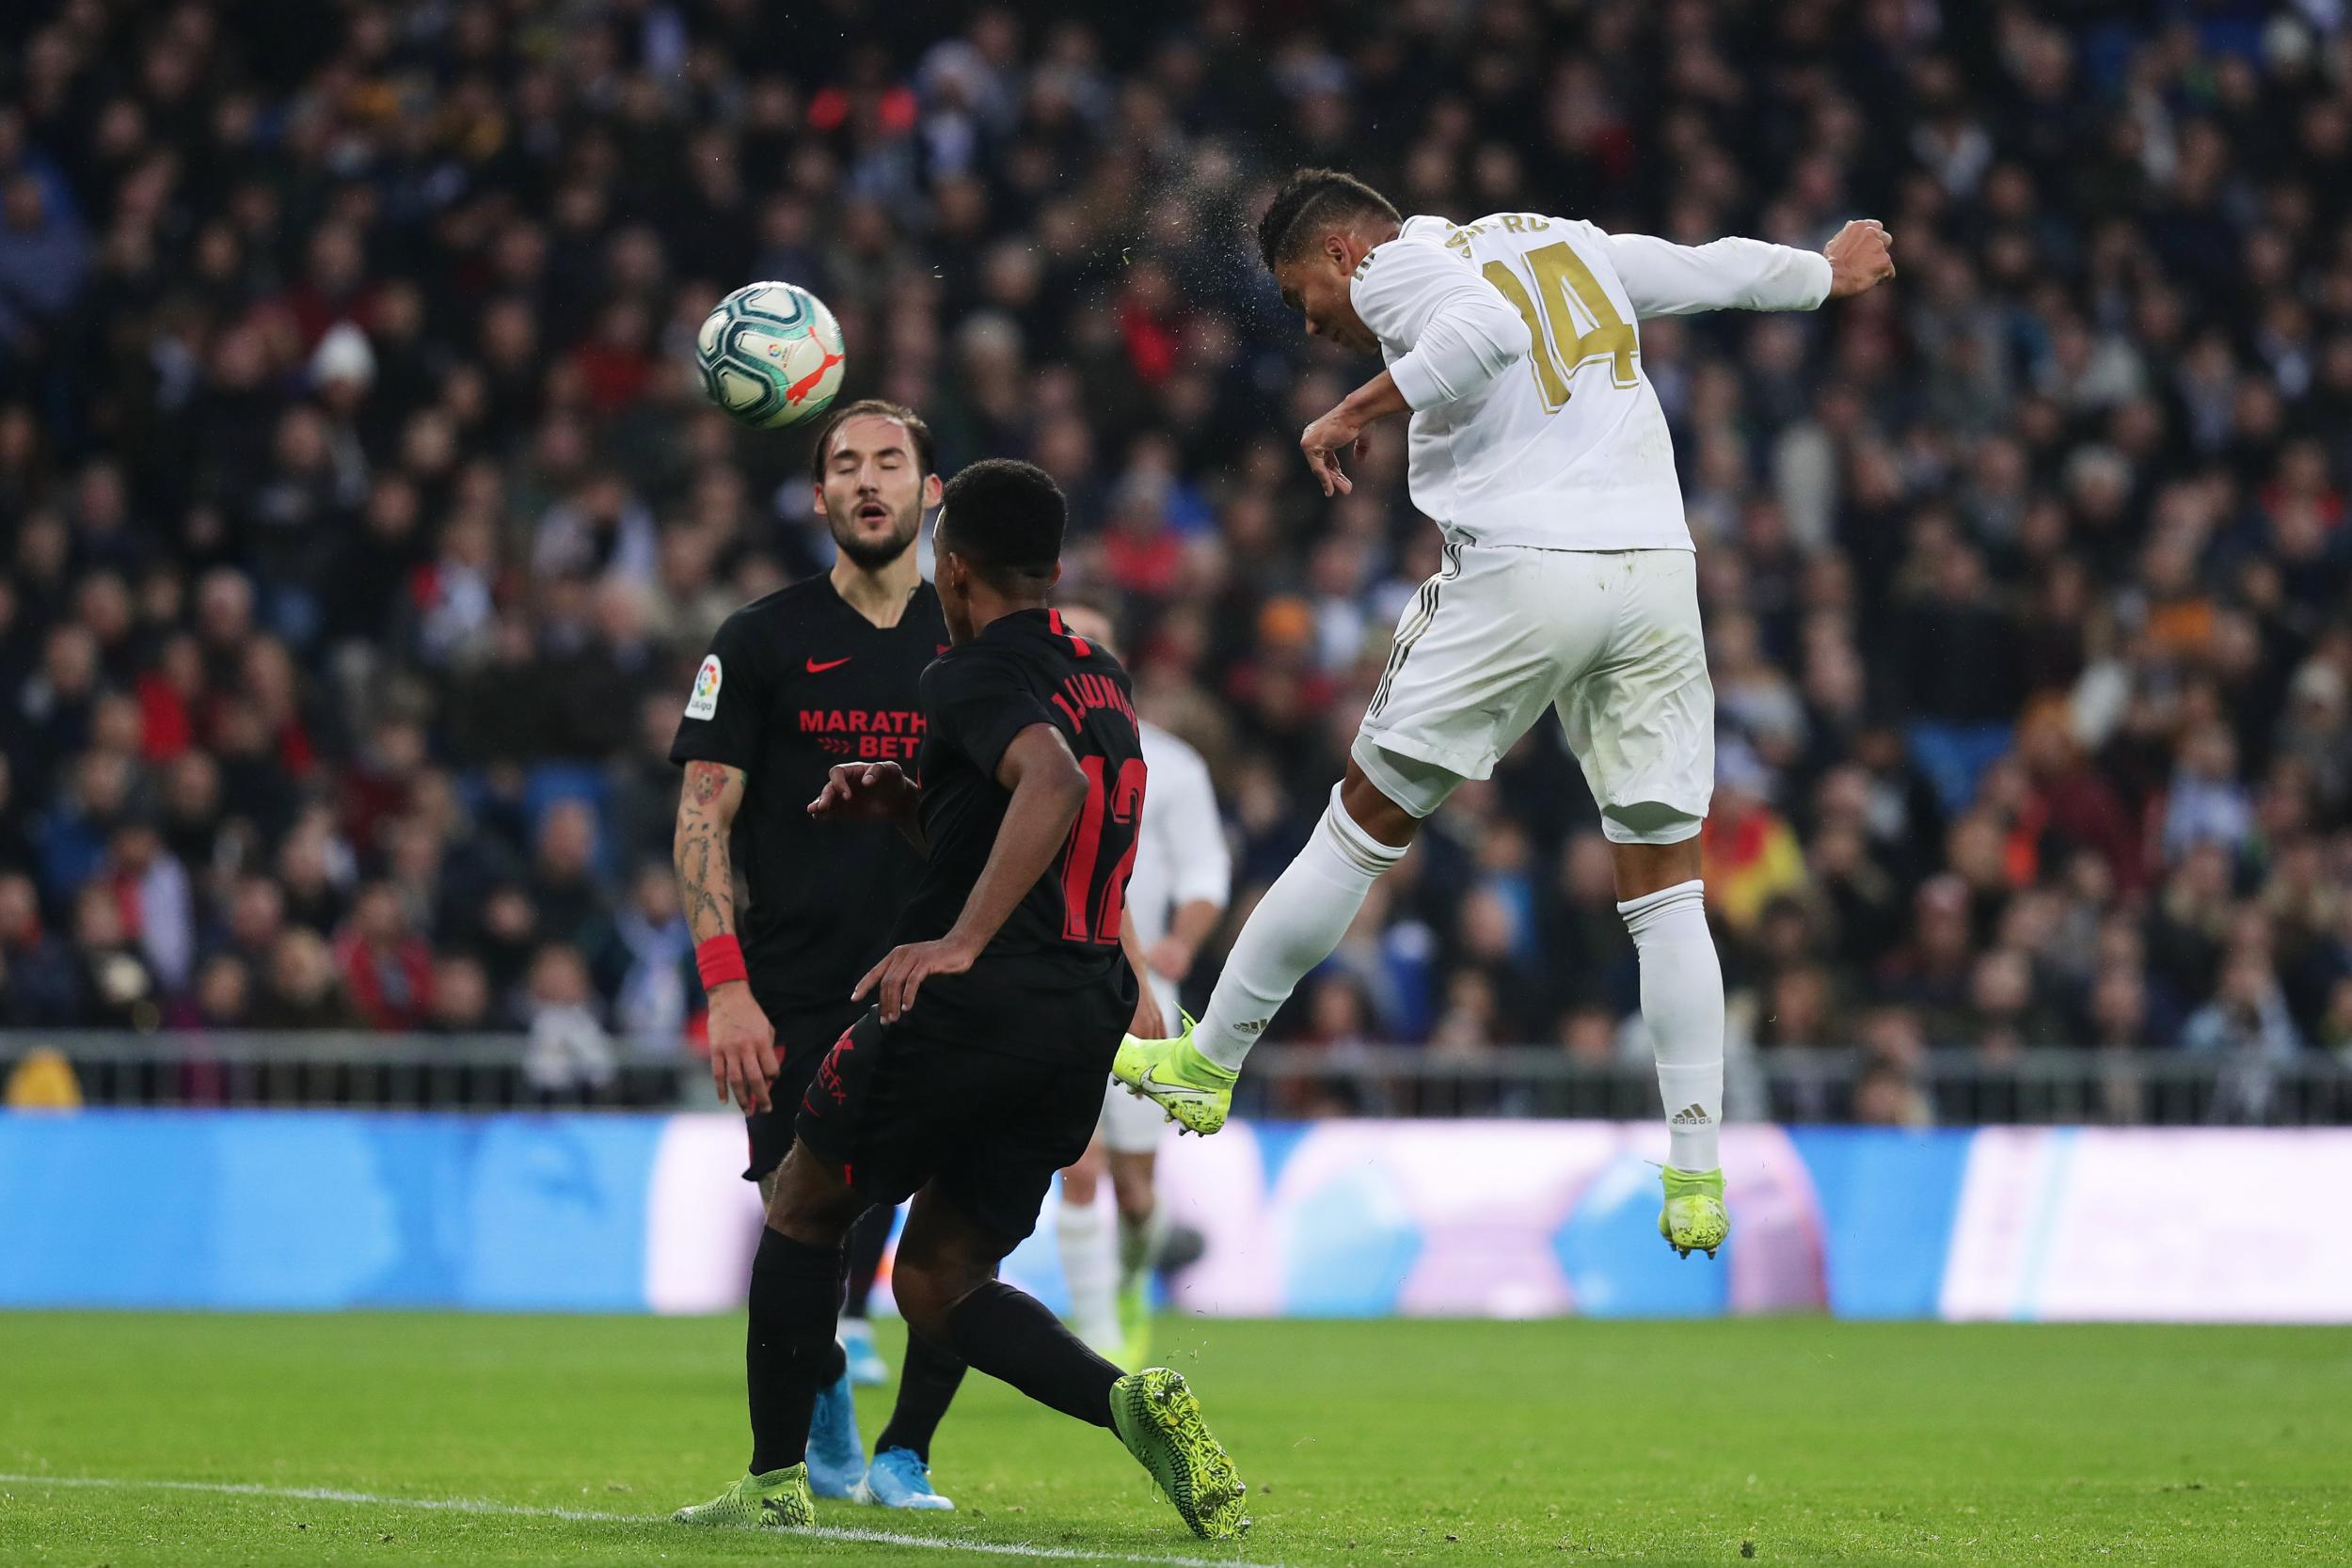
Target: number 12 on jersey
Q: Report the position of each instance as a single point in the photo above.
(1094, 901)
(1560, 272)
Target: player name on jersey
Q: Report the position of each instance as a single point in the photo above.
(1083, 695)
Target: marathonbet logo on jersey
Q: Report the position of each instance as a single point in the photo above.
(704, 704)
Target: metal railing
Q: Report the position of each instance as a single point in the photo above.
(362, 1070)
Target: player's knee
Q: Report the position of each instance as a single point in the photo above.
(928, 1288)
(809, 1201)
(1373, 810)
(1080, 1178)
(1652, 845)
(1132, 1186)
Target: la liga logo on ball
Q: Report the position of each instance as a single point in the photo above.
(770, 355)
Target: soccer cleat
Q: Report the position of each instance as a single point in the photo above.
(836, 1455)
(1159, 1420)
(868, 1370)
(777, 1500)
(1195, 1093)
(900, 1479)
(1694, 1218)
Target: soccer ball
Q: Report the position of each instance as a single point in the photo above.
(770, 355)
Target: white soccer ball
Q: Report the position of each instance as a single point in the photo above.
(770, 355)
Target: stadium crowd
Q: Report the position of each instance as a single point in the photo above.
(363, 524)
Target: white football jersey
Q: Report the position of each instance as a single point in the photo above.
(1513, 337)
(1180, 850)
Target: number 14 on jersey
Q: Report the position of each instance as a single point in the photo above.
(1560, 348)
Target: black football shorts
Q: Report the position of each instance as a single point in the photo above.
(801, 1041)
(898, 1110)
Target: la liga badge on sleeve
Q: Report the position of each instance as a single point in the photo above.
(704, 704)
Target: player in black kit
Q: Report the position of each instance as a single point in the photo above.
(977, 1074)
(824, 671)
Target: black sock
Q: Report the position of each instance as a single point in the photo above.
(789, 1354)
(1013, 1339)
(867, 1240)
(926, 1385)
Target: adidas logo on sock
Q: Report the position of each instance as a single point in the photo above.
(1692, 1114)
(1255, 1026)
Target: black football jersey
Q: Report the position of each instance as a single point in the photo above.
(1052, 983)
(793, 684)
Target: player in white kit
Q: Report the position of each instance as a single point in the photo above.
(1182, 880)
(1538, 448)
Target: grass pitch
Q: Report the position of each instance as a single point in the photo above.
(1793, 1441)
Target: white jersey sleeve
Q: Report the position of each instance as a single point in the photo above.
(1662, 278)
(1181, 854)
(1447, 331)
(1180, 792)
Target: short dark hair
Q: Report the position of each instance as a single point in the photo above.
(1310, 201)
(1005, 517)
(880, 408)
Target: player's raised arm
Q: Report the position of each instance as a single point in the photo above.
(1461, 331)
(742, 1042)
(1662, 278)
(1048, 790)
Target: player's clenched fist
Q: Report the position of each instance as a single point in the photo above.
(742, 1046)
(1858, 259)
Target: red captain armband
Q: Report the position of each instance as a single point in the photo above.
(718, 960)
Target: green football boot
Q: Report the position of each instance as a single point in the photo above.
(777, 1500)
(1159, 1420)
(1694, 1219)
(1194, 1091)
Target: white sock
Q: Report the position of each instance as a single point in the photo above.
(1682, 1002)
(1294, 928)
(1089, 1261)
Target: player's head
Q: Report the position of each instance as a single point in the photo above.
(1319, 225)
(1089, 616)
(997, 541)
(872, 468)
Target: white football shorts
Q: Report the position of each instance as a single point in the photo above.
(1609, 639)
(1132, 1124)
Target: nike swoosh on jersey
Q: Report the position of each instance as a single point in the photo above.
(1165, 1090)
(817, 669)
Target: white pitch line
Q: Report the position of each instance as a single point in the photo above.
(593, 1516)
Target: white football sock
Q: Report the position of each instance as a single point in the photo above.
(1090, 1262)
(1682, 1002)
(1294, 928)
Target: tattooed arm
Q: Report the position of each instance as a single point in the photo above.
(742, 1042)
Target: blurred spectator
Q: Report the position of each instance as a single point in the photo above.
(362, 532)
(568, 1049)
(660, 950)
(387, 968)
(300, 989)
(461, 1003)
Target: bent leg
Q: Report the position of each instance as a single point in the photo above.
(949, 1293)
(1304, 915)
